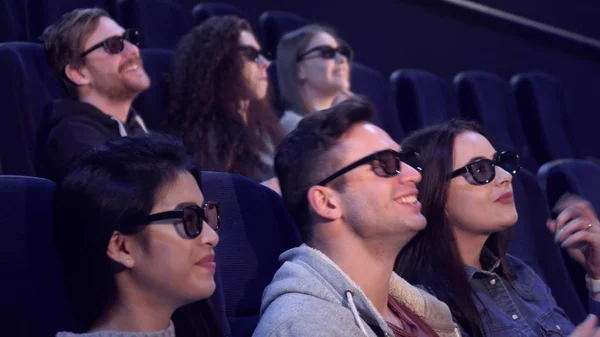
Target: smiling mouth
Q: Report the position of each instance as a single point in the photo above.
(410, 199)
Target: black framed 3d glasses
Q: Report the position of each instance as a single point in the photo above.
(388, 163)
(193, 217)
(328, 52)
(483, 170)
(115, 44)
(253, 54)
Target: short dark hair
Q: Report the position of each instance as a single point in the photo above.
(110, 186)
(303, 158)
(64, 40)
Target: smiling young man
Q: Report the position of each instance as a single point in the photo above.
(100, 66)
(353, 195)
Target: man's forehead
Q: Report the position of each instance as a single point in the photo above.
(106, 28)
(366, 136)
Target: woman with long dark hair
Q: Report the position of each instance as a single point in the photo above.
(136, 239)
(461, 256)
(219, 99)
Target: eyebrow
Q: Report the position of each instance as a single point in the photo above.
(186, 204)
(480, 157)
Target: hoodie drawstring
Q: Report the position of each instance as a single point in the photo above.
(350, 298)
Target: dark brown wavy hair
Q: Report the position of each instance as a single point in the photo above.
(206, 87)
(432, 258)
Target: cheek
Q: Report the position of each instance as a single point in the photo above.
(468, 207)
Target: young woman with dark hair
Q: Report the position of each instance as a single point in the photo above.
(461, 256)
(313, 71)
(219, 99)
(136, 240)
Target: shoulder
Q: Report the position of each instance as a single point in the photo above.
(304, 315)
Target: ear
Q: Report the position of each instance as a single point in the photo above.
(325, 202)
(119, 249)
(77, 74)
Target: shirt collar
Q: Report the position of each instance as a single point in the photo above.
(487, 259)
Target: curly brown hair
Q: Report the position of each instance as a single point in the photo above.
(206, 88)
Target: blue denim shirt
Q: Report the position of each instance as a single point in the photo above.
(524, 307)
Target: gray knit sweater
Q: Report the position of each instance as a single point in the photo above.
(168, 332)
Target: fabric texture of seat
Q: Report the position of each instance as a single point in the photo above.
(542, 108)
(370, 83)
(161, 22)
(274, 24)
(422, 98)
(10, 28)
(256, 230)
(488, 99)
(205, 10)
(582, 178)
(26, 89)
(42, 13)
(32, 290)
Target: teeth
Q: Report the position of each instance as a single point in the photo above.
(132, 67)
(409, 199)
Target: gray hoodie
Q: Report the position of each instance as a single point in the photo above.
(311, 296)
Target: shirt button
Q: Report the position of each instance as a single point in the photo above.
(493, 281)
(558, 327)
(515, 317)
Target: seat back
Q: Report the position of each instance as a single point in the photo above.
(532, 242)
(488, 99)
(542, 108)
(161, 22)
(581, 178)
(274, 24)
(422, 98)
(368, 82)
(32, 290)
(256, 230)
(202, 11)
(27, 87)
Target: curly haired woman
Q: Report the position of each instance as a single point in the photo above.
(219, 102)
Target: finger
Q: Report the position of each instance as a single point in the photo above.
(572, 227)
(564, 201)
(586, 328)
(581, 238)
(551, 224)
(565, 216)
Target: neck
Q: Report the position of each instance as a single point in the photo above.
(117, 109)
(369, 266)
(470, 246)
(135, 311)
(317, 100)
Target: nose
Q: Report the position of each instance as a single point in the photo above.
(502, 176)
(263, 62)
(339, 58)
(130, 49)
(208, 236)
(409, 174)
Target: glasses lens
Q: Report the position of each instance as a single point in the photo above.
(133, 36)
(389, 163)
(411, 158)
(114, 45)
(327, 52)
(212, 214)
(346, 51)
(191, 221)
(482, 171)
(509, 161)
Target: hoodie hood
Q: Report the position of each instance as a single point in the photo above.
(309, 272)
(72, 110)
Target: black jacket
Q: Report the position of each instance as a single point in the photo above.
(73, 128)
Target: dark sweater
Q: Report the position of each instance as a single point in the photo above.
(72, 129)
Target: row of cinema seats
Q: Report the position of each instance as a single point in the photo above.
(530, 117)
(256, 230)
